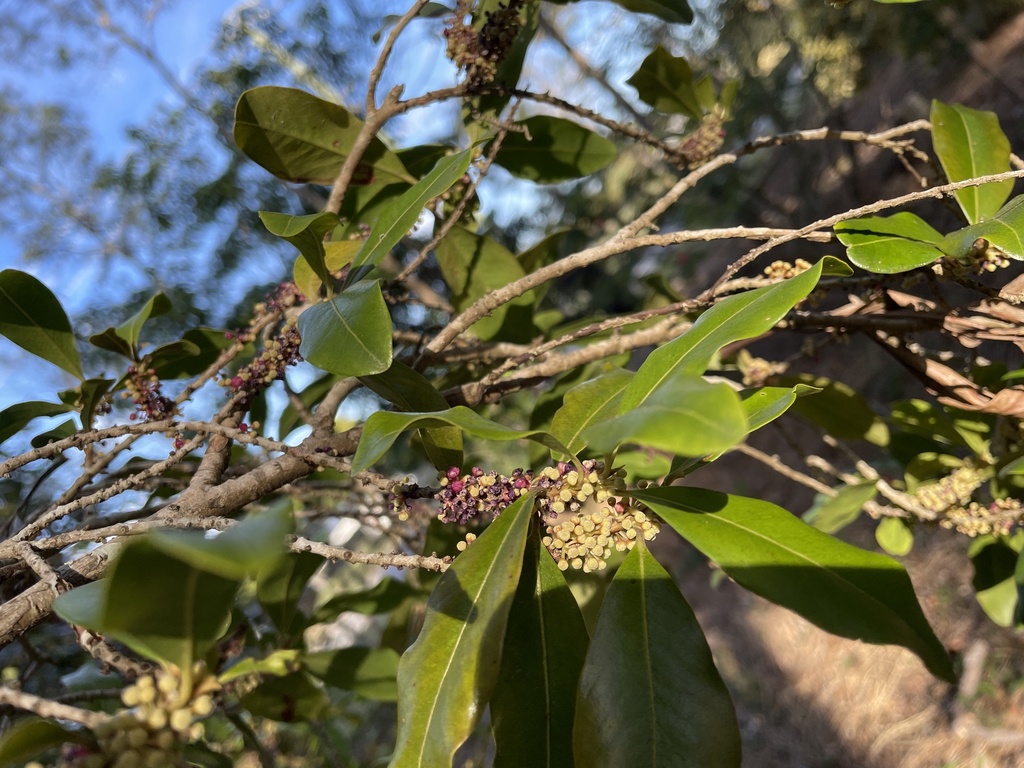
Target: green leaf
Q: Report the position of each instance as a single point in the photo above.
(894, 537)
(890, 244)
(32, 318)
(16, 417)
(30, 737)
(170, 361)
(473, 266)
(412, 391)
(369, 672)
(586, 404)
(300, 138)
(292, 698)
(838, 409)
(551, 149)
(995, 561)
(447, 676)
(832, 513)
(255, 543)
(307, 234)
(765, 404)
(279, 587)
(843, 589)
(89, 394)
(336, 256)
(381, 598)
(666, 83)
(686, 416)
(1005, 231)
(650, 695)
(64, 429)
(383, 428)
(401, 215)
(350, 335)
(132, 328)
(534, 701)
(279, 663)
(737, 317)
(969, 144)
(672, 11)
(84, 605)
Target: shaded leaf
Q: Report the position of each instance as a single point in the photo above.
(995, 561)
(16, 417)
(31, 736)
(686, 416)
(1005, 230)
(890, 244)
(969, 144)
(666, 83)
(279, 587)
(842, 589)
(447, 676)
(832, 513)
(32, 317)
(381, 598)
(383, 428)
(170, 362)
(288, 699)
(534, 701)
(553, 149)
(350, 335)
(64, 429)
(131, 329)
(370, 672)
(650, 694)
(838, 409)
(732, 319)
(300, 138)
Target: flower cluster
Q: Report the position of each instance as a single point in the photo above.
(584, 541)
(279, 353)
(783, 270)
(955, 489)
(479, 53)
(464, 497)
(143, 387)
(704, 141)
(154, 728)
(997, 518)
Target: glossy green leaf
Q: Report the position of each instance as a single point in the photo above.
(832, 513)
(672, 11)
(838, 409)
(300, 138)
(279, 663)
(170, 361)
(84, 605)
(551, 149)
(666, 83)
(473, 266)
(381, 598)
(295, 697)
(279, 588)
(64, 429)
(534, 701)
(969, 144)
(447, 676)
(307, 234)
(765, 404)
(843, 589)
(410, 390)
(587, 404)
(16, 417)
(737, 317)
(350, 335)
(686, 416)
(90, 393)
(383, 428)
(893, 536)
(890, 244)
(1004, 230)
(255, 543)
(401, 214)
(650, 695)
(131, 329)
(369, 672)
(29, 737)
(336, 256)
(32, 317)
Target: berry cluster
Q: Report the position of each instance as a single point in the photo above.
(464, 497)
(704, 141)
(279, 353)
(783, 270)
(479, 53)
(143, 387)
(997, 518)
(584, 541)
(151, 732)
(285, 296)
(954, 490)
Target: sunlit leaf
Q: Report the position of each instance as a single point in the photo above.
(890, 244)
(30, 737)
(350, 335)
(832, 513)
(588, 403)
(307, 234)
(894, 537)
(1004, 230)
(666, 83)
